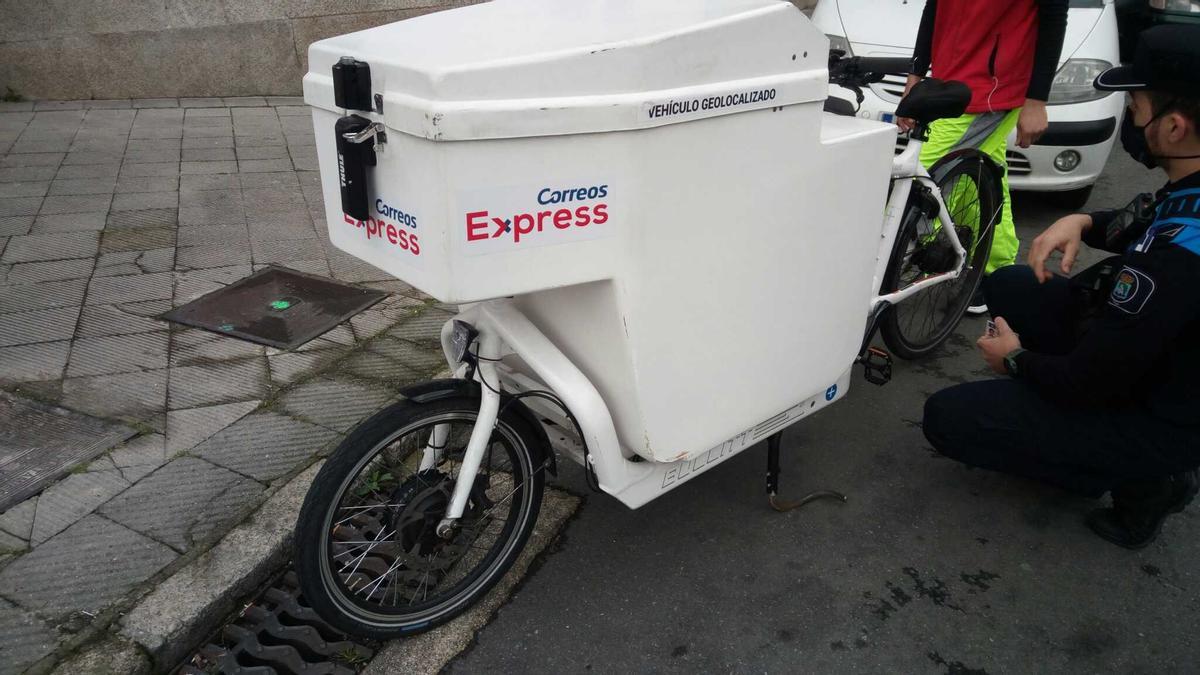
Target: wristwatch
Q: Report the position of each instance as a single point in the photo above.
(1010, 362)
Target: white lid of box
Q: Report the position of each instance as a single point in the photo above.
(512, 68)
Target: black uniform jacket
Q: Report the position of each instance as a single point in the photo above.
(1142, 349)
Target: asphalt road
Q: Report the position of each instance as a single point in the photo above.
(929, 568)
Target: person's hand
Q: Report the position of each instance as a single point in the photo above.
(995, 347)
(1064, 235)
(1032, 122)
(906, 124)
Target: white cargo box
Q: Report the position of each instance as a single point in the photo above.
(655, 181)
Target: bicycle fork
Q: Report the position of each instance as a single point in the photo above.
(489, 409)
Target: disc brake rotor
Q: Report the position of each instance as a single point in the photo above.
(422, 502)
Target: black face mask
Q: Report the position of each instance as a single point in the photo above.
(1133, 139)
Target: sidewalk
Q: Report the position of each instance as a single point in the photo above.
(112, 212)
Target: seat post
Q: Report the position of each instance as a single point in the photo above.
(920, 132)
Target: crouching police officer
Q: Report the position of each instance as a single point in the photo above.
(1103, 386)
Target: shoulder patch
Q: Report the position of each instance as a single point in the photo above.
(1131, 291)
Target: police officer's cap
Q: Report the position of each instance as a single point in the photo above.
(1167, 59)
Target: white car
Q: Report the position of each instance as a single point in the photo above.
(1083, 122)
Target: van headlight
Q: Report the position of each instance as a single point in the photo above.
(1073, 82)
(840, 43)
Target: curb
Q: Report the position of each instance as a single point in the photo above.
(179, 614)
(172, 620)
(430, 652)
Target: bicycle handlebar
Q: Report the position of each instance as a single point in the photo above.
(884, 65)
(859, 71)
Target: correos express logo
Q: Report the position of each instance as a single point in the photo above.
(394, 226)
(553, 216)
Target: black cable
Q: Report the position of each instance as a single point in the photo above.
(589, 472)
(481, 358)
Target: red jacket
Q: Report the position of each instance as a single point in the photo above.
(994, 47)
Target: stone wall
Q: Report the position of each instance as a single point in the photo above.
(103, 49)
(107, 49)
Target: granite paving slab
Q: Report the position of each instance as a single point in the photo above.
(187, 428)
(35, 362)
(125, 263)
(15, 226)
(264, 446)
(131, 288)
(136, 239)
(221, 382)
(23, 639)
(55, 270)
(59, 246)
(24, 297)
(132, 396)
(99, 320)
(18, 520)
(118, 354)
(335, 404)
(147, 450)
(65, 502)
(374, 366)
(183, 502)
(83, 568)
(148, 217)
(43, 325)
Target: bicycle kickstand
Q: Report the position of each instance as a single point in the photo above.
(784, 505)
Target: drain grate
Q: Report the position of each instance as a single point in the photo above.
(41, 443)
(279, 634)
(276, 307)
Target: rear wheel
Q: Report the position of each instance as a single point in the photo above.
(969, 185)
(368, 555)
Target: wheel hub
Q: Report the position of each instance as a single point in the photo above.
(424, 498)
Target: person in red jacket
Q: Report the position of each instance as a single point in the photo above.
(1007, 52)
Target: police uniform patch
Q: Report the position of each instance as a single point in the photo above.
(1131, 291)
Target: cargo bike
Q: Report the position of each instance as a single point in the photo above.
(666, 244)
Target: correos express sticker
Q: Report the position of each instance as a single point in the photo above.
(390, 228)
(504, 219)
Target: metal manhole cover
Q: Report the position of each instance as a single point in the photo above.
(277, 307)
(40, 443)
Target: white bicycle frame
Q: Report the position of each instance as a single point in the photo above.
(907, 168)
(504, 330)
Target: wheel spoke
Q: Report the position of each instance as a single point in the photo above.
(381, 555)
(920, 323)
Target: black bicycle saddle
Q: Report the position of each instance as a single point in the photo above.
(933, 99)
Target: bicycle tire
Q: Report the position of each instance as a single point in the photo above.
(317, 531)
(896, 326)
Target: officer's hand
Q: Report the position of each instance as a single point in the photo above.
(995, 347)
(1064, 235)
(1032, 122)
(906, 124)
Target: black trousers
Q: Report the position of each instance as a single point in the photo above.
(1004, 425)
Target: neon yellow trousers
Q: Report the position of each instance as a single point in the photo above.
(988, 133)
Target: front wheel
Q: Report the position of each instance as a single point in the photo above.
(368, 556)
(970, 188)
